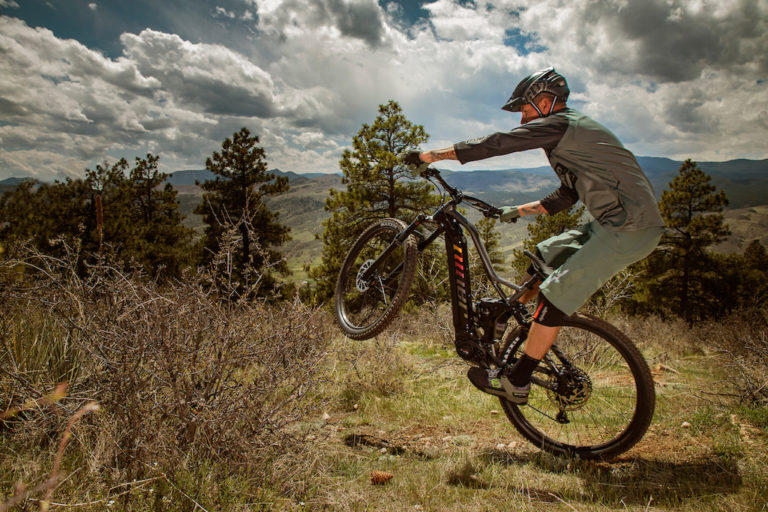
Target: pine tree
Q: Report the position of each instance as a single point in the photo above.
(753, 286)
(46, 214)
(159, 241)
(131, 219)
(378, 185)
(545, 226)
(235, 200)
(679, 276)
(109, 220)
(20, 214)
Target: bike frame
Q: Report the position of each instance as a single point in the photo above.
(481, 325)
(477, 326)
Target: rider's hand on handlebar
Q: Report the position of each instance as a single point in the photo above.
(414, 162)
(509, 214)
(413, 158)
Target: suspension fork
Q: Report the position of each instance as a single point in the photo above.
(423, 244)
(397, 242)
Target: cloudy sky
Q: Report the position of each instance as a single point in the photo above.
(82, 81)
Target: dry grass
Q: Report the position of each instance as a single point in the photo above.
(185, 376)
(449, 448)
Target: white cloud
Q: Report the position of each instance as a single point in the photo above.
(211, 78)
(42, 165)
(220, 11)
(165, 94)
(671, 77)
(481, 20)
(9, 3)
(358, 19)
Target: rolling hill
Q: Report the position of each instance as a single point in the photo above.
(301, 208)
(744, 181)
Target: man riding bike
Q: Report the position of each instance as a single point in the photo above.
(594, 167)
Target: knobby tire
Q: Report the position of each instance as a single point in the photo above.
(350, 301)
(614, 375)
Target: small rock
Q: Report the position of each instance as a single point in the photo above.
(512, 445)
(326, 416)
(685, 424)
(501, 446)
(383, 450)
(355, 406)
(494, 412)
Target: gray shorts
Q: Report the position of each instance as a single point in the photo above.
(585, 258)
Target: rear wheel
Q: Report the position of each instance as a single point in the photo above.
(366, 301)
(595, 397)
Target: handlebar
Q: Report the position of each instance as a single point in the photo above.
(486, 209)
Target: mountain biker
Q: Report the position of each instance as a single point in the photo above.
(594, 167)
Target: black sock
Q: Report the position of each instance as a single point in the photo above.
(520, 374)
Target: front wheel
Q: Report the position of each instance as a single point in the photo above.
(366, 301)
(593, 395)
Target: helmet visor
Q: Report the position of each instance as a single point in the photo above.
(514, 104)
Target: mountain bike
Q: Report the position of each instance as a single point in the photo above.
(592, 396)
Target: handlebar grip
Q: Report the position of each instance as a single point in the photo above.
(429, 172)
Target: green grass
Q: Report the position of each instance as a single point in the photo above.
(456, 451)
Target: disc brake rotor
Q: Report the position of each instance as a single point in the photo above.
(360, 283)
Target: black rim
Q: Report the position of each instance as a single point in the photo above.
(362, 303)
(595, 406)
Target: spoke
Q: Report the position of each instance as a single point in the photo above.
(591, 424)
(612, 406)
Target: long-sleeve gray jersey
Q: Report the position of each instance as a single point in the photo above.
(589, 160)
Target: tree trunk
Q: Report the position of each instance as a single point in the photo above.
(684, 289)
(392, 210)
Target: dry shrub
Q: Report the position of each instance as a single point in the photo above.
(615, 291)
(182, 372)
(379, 366)
(743, 338)
(661, 338)
(375, 366)
(431, 323)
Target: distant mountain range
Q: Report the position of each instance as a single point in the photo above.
(189, 177)
(744, 181)
(301, 208)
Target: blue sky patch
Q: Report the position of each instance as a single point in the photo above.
(523, 43)
(412, 11)
(99, 24)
